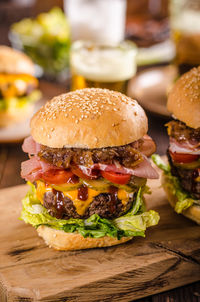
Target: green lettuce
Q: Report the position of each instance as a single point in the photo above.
(19, 102)
(46, 39)
(134, 223)
(184, 199)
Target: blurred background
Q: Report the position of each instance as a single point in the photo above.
(137, 47)
(144, 22)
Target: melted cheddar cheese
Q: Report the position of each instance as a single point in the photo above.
(41, 190)
(80, 205)
(123, 196)
(197, 179)
(12, 85)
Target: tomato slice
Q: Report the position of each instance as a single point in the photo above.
(116, 178)
(57, 176)
(183, 157)
(77, 171)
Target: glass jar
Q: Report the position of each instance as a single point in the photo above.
(185, 30)
(102, 66)
(99, 21)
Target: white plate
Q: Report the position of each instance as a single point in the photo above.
(150, 88)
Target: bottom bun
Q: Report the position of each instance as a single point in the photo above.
(61, 240)
(16, 115)
(192, 212)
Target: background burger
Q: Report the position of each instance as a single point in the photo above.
(88, 167)
(18, 86)
(181, 179)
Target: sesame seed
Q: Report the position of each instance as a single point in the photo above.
(86, 103)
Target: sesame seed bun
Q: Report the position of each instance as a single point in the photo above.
(184, 98)
(14, 62)
(61, 240)
(192, 212)
(89, 118)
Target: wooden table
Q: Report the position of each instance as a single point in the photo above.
(11, 156)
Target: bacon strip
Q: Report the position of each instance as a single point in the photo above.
(144, 169)
(30, 146)
(184, 147)
(33, 168)
(148, 147)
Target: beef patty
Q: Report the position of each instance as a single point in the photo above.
(186, 177)
(106, 205)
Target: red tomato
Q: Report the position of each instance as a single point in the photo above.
(57, 176)
(183, 157)
(116, 178)
(77, 171)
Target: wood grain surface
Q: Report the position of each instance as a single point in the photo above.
(168, 257)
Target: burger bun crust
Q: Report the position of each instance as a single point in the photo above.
(192, 212)
(184, 98)
(15, 62)
(89, 118)
(61, 240)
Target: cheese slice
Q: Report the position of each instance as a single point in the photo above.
(197, 179)
(42, 188)
(124, 196)
(12, 85)
(80, 205)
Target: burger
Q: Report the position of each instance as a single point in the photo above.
(181, 178)
(18, 86)
(87, 170)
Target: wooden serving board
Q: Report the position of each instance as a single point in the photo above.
(168, 257)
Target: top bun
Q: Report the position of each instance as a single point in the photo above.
(14, 62)
(89, 118)
(184, 98)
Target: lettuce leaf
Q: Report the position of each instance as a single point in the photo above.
(134, 223)
(184, 199)
(19, 102)
(160, 163)
(45, 39)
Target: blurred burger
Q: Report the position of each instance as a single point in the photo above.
(181, 179)
(18, 86)
(87, 170)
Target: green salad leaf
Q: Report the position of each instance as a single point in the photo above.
(13, 103)
(46, 39)
(184, 199)
(160, 163)
(134, 223)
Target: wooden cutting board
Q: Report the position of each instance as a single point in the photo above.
(168, 257)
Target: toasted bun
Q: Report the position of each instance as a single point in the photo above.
(192, 212)
(17, 115)
(89, 118)
(14, 61)
(184, 98)
(61, 240)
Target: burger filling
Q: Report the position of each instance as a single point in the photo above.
(184, 163)
(17, 90)
(73, 186)
(128, 155)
